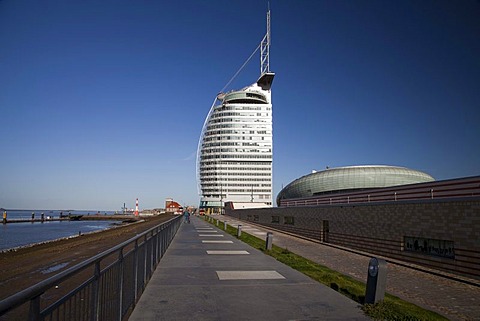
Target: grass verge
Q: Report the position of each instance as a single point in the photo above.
(392, 308)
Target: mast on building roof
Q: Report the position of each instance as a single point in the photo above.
(265, 49)
(266, 77)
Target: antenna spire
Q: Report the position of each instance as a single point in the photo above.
(265, 48)
(266, 76)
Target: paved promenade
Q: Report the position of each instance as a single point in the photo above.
(207, 274)
(453, 299)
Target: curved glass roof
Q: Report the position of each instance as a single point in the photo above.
(351, 178)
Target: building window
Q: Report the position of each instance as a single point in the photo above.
(289, 220)
(275, 219)
(427, 246)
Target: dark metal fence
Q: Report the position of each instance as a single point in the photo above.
(110, 283)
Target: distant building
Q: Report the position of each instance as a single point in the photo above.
(351, 179)
(172, 207)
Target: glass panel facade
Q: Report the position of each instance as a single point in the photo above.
(234, 158)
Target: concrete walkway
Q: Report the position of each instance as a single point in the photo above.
(207, 274)
(455, 300)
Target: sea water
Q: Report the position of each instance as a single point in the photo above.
(14, 235)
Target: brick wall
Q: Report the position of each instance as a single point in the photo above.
(381, 229)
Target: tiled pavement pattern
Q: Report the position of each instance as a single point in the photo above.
(196, 282)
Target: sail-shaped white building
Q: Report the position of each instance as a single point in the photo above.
(235, 150)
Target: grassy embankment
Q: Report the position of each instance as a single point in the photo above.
(392, 308)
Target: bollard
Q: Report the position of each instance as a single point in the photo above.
(269, 241)
(239, 231)
(376, 281)
(5, 217)
(217, 222)
(225, 225)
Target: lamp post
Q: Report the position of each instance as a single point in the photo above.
(221, 198)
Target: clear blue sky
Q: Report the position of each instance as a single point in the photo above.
(102, 102)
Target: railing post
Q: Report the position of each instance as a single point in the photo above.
(145, 254)
(159, 241)
(120, 284)
(163, 237)
(135, 273)
(152, 254)
(156, 248)
(34, 313)
(95, 299)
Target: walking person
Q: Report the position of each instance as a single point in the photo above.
(186, 216)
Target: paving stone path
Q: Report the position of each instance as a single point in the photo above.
(207, 274)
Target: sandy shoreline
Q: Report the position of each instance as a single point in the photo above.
(26, 266)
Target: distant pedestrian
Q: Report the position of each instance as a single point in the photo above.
(186, 216)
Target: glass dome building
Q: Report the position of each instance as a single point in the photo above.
(351, 179)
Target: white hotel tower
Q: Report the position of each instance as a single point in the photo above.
(234, 156)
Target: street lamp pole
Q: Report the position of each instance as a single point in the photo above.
(221, 198)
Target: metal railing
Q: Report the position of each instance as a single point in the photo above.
(455, 188)
(110, 283)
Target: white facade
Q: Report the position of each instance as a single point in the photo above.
(235, 150)
(234, 157)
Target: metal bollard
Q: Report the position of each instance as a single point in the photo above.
(376, 281)
(269, 241)
(239, 231)
(217, 222)
(225, 225)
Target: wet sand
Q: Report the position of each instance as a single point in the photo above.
(27, 266)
